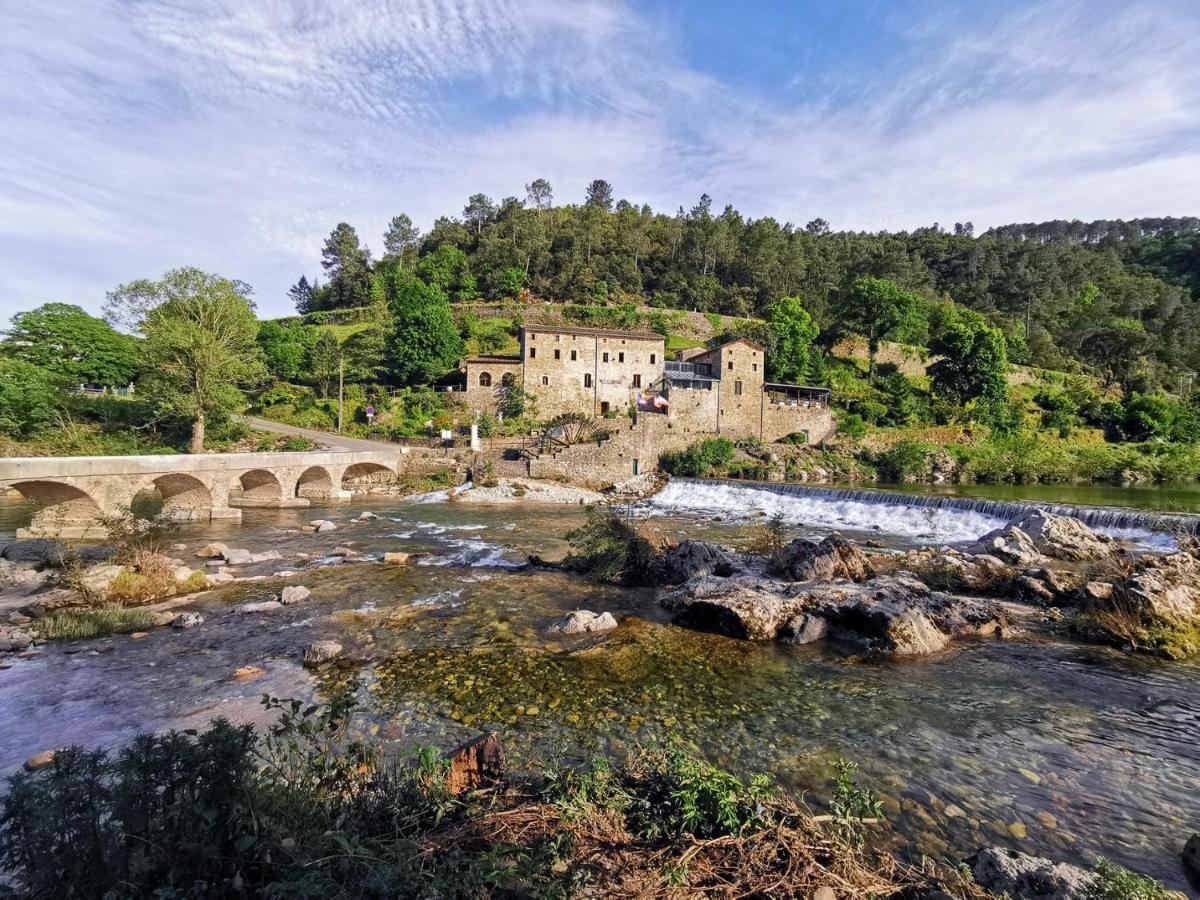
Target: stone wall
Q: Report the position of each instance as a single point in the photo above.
(587, 373)
(486, 397)
(598, 464)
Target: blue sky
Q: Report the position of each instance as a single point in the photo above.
(140, 135)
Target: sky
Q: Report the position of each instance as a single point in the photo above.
(137, 136)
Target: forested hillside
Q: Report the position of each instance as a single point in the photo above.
(1115, 298)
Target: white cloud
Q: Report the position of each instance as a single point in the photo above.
(142, 135)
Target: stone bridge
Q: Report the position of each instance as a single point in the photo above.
(74, 492)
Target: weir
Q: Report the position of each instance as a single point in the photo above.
(1102, 517)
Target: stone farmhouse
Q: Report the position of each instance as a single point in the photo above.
(656, 404)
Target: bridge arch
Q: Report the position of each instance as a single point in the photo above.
(260, 484)
(362, 474)
(184, 496)
(315, 482)
(61, 506)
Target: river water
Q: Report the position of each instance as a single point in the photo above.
(1055, 748)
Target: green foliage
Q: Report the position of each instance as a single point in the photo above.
(424, 343)
(285, 349)
(609, 548)
(30, 397)
(851, 425)
(700, 459)
(1111, 881)
(974, 363)
(851, 804)
(78, 348)
(200, 348)
(881, 309)
(683, 794)
(347, 264)
(792, 357)
(325, 362)
(904, 461)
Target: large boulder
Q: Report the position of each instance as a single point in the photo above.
(20, 579)
(42, 551)
(294, 593)
(583, 621)
(1015, 874)
(900, 616)
(1166, 587)
(237, 556)
(692, 559)
(743, 607)
(1191, 857)
(1039, 534)
(96, 580)
(833, 558)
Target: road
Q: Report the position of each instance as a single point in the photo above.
(332, 441)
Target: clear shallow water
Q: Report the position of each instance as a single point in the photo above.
(1081, 750)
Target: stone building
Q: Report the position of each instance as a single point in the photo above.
(598, 372)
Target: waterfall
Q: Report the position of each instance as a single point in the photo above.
(948, 518)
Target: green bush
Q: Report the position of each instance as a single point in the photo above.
(700, 459)
(851, 425)
(905, 461)
(608, 548)
(1114, 882)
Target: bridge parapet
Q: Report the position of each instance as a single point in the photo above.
(74, 493)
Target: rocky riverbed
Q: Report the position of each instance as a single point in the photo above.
(1042, 744)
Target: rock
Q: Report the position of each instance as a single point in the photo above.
(1009, 544)
(396, 559)
(260, 606)
(1191, 857)
(320, 526)
(833, 558)
(14, 639)
(1063, 537)
(824, 892)
(294, 593)
(218, 578)
(176, 548)
(690, 560)
(162, 619)
(265, 556)
(183, 573)
(138, 635)
(1031, 590)
(48, 601)
(247, 673)
(40, 760)
(1028, 877)
(1166, 586)
(42, 551)
(237, 556)
(187, 620)
(20, 579)
(805, 629)
(366, 516)
(476, 763)
(321, 652)
(344, 551)
(18, 619)
(211, 551)
(97, 579)
(744, 607)
(1095, 593)
(582, 621)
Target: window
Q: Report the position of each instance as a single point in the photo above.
(574, 356)
(606, 357)
(621, 356)
(753, 367)
(485, 379)
(557, 354)
(737, 388)
(652, 357)
(637, 381)
(533, 353)
(587, 380)
(605, 407)
(731, 365)
(545, 380)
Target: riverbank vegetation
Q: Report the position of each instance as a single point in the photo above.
(310, 808)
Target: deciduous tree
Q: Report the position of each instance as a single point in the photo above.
(79, 348)
(424, 342)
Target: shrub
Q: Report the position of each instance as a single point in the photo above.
(904, 461)
(1114, 882)
(700, 458)
(608, 548)
(852, 425)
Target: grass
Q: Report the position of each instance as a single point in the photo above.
(80, 624)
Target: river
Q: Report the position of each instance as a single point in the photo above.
(1055, 748)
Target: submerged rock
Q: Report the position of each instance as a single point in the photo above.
(237, 556)
(583, 621)
(833, 558)
(690, 560)
(1016, 874)
(320, 652)
(212, 551)
(260, 606)
(478, 762)
(187, 620)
